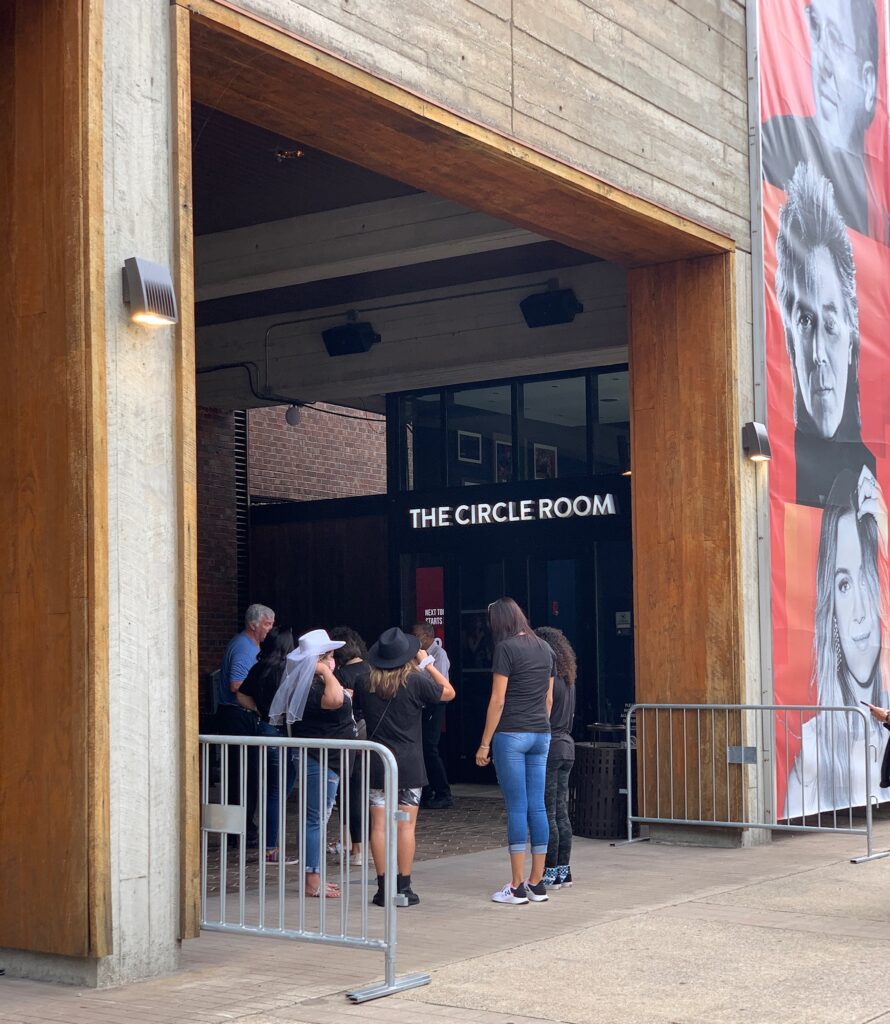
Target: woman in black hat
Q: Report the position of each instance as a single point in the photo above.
(403, 680)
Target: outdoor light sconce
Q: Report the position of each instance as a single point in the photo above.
(351, 338)
(148, 291)
(555, 306)
(755, 442)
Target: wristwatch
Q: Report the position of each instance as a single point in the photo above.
(428, 660)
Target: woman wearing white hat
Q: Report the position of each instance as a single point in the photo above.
(315, 705)
(392, 700)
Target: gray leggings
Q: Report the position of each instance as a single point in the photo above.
(556, 799)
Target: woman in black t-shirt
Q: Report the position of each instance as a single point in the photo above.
(517, 736)
(561, 758)
(403, 679)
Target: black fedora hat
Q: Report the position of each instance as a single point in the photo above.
(393, 649)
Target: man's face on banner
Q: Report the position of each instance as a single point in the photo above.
(821, 342)
(843, 86)
(854, 606)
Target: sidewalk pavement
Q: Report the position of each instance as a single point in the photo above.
(650, 934)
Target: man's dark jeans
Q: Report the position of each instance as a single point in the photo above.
(556, 799)
(437, 779)
(237, 721)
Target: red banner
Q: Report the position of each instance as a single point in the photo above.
(826, 185)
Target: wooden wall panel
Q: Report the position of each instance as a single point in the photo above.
(54, 846)
(686, 530)
(319, 573)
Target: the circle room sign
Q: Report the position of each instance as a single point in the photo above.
(527, 510)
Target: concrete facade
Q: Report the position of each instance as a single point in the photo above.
(648, 95)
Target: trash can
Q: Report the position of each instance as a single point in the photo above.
(598, 790)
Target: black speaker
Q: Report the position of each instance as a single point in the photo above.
(546, 308)
(349, 339)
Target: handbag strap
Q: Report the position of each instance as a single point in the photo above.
(380, 719)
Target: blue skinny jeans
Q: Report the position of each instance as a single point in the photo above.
(520, 759)
(273, 779)
(316, 818)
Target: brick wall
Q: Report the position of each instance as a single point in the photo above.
(217, 557)
(324, 456)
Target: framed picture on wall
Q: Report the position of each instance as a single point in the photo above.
(545, 456)
(503, 460)
(469, 447)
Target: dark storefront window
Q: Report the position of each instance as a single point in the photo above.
(543, 428)
(554, 428)
(611, 422)
(421, 441)
(479, 425)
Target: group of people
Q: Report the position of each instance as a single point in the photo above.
(328, 685)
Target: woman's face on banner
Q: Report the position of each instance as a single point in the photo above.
(855, 613)
(821, 342)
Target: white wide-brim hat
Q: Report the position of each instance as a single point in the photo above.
(289, 701)
(316, 642)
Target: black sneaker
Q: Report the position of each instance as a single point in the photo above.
(510, 895)
(537, 893)
(440, 802)
(565, 878)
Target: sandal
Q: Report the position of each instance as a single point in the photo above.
(332, 892)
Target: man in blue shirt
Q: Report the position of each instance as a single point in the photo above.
(437, 794)
(235, 718)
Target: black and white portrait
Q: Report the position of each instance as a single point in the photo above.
(816, 293)
(843, 39)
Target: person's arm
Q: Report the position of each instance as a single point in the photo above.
(492, 717)
(448, 691)
(549, 696)
(242, 663)
(245, 701)
(333, 696)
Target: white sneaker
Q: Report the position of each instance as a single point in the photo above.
(510, 895)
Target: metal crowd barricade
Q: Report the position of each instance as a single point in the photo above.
(248, 896)
(717, 765)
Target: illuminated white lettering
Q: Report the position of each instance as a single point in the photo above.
(526, 510)
(462, 515)
(545, 508)
(603, 505)
(483, 512)
(428, 517)
(444, 515)
(513, 512)
(499, 512)
(582, 505)
(414, 513)
(562, 507)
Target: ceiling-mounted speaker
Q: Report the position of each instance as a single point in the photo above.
(556, 306)
(349, 339)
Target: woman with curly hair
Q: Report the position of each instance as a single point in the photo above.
(560, 759)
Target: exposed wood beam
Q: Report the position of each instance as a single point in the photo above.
(352, 240)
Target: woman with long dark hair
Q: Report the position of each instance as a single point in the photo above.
(352, 665)
(256, 693)
(560, 759)
(517, 737)
(392, 700)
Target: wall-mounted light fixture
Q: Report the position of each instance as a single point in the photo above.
(148, 291)
(292, 415)
(351, 338)
(755, 442)
(555, 306)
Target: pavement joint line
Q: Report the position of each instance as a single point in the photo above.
(498, 1013)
